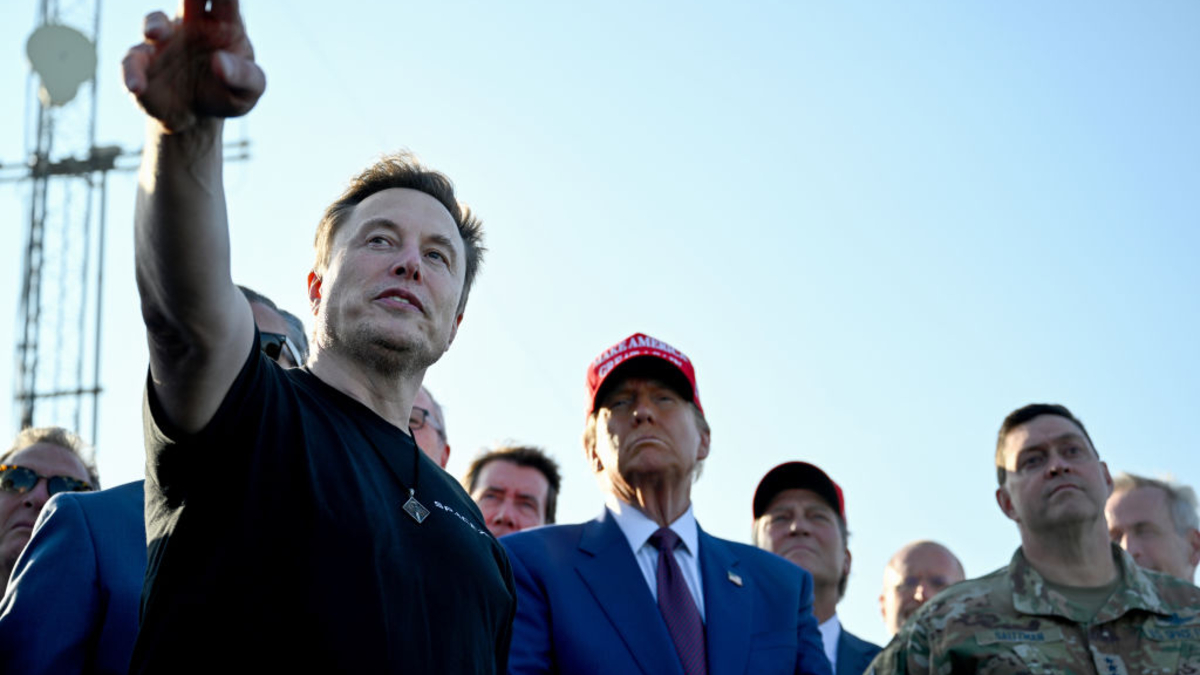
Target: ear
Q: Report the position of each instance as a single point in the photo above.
(1193, 541)
(889, 573)
(446, 456)
(593, 459)
(454, 330)
(314, 291)
(846, 568)
(1107, 479)
(705, 439)
(589, 446)
(1005, 502)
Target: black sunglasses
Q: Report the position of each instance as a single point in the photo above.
(273, 345)
(19, 480)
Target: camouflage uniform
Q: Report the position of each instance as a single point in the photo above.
(1010, 622)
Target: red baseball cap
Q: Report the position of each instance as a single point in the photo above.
(641, 354)
(802, 476)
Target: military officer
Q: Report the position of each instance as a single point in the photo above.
(1070, 601)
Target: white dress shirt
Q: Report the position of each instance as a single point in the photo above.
(638, 528)
(831, 630)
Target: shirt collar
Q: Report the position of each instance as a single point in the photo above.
(831, 630)
(1032, 596)
(637, 526)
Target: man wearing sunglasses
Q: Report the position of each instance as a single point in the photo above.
(291, 519)
(281, 333)
(72, 601)
(42, 462)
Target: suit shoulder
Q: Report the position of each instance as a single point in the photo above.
(541, 539)
(759, 556)
(854, 654)
(127, 494)
(127, 497)
(778, 568)
(858, 644)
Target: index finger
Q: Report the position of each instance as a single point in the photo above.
(191, 9)
(222, 10)
(225, 10)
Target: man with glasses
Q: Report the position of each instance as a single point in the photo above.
(429, 427)
(293, 524)
(916, 573)
(72, 602)
(42, 461)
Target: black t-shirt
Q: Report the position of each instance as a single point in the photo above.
(278, 543)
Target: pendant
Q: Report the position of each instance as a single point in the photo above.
(415, 509)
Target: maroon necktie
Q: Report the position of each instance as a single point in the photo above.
(677, 605)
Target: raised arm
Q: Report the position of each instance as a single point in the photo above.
(189, 74)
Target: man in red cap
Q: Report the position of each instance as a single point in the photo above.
(642, 589)
(800, 514)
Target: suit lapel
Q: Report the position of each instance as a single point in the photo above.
(727, 609)
(845, 654)
(611, 573)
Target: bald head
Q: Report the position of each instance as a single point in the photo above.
(916, 573)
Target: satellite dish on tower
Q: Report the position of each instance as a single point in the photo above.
(63, 58)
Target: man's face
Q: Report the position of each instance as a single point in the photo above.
(801, 526)
(431, 436)
(646, 432)
(389, 296)
(18, 512)
(914, 577)
(1139, 520)
(511, 497)
(1054, 478)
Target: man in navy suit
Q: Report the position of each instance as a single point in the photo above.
(800, 514)
(642, 589)
(72, 604)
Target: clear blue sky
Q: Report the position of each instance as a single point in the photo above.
(875, 227)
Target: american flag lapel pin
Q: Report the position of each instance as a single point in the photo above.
(737, 580)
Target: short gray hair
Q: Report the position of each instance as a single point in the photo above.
(1181, 499)
(63, 438)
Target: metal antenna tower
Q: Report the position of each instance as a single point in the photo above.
(58, 324)
(59, 317)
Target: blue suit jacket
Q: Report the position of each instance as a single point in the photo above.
(854, 654)
(583, 607)
(72, 603)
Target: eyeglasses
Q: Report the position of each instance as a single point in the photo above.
(909, 584)
(419, 416)
(19, 480)
(273, 345)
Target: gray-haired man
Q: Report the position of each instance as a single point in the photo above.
(1155, 521)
